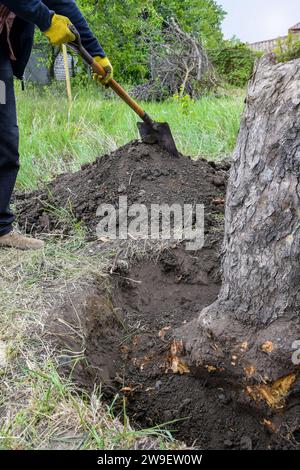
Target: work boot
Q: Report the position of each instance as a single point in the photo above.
(17, 240)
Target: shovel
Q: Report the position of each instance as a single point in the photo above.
(151, 132)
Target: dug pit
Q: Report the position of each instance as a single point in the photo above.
(117, 333)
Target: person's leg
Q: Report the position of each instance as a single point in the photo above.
(9, 141)
(9, 157)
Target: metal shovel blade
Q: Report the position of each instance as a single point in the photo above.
(158, 133)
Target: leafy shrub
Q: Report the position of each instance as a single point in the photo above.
(185, 102)
(288, 49)
(234, 63)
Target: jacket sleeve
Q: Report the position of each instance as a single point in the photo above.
(70, 9)
(40, 13)
(33, 11)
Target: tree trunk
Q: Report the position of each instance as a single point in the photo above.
(250, 331)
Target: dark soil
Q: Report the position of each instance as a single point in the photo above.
(119, 328)
(172, 292)
(126, 326)
(144, 173)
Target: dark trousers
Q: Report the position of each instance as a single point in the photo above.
(9, 139)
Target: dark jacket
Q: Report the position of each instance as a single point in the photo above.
(35, 12)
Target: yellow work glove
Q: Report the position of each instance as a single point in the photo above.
(59, 32)
(105, 63)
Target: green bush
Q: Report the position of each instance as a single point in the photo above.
(234, 63)
(288, 49)
(127, 29)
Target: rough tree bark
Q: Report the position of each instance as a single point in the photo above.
(249, 332)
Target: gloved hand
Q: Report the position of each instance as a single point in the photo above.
(104, 61)
(59, 32)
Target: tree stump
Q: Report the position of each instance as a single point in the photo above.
(250, 333)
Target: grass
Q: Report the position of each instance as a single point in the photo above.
(55, 139)
(38, 407)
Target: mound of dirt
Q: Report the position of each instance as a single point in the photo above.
(145, 174)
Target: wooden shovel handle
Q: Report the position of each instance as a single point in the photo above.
(116, 87)
(97, 68)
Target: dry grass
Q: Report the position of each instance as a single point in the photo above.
(39, 409)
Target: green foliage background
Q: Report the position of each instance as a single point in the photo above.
(234, 62)
(125, 28)
(122, 25)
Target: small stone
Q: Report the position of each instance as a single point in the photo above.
(224, 399)
(142, 192)
(3, 354)
(186, 402)
(218, 181)
(246, 443)
(44, 220)
(168, 415)
(122, 265)
(121, 188)
(158, 384)
(228, 444)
